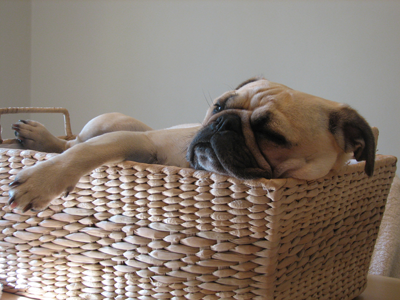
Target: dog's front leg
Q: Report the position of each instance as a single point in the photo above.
(35, 187)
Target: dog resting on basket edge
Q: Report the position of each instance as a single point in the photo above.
(260, 129)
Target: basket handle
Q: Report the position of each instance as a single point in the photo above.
(18, 110)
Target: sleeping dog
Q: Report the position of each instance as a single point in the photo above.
(260, 129)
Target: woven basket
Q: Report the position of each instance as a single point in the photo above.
(140, 231)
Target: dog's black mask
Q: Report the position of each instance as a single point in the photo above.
(221, 147)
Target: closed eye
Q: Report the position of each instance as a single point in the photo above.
(274, 137)
(262, 128)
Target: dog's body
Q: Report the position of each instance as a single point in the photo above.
(261, 129)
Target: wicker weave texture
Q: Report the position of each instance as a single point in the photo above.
(138, 231)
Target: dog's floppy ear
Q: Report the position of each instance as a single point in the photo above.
(353, 134)
(247, 82)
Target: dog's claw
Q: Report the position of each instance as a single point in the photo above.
(13, 183)
(68, 190)
(11, 203)
(10, 200)
(26, 208)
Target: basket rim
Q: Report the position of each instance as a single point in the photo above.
(351, 166)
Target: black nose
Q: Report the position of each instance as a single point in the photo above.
(228, 122)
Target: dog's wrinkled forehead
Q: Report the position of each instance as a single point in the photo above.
(259, 92)
(249, 95)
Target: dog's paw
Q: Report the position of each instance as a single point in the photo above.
(33, 135)
(35, 187)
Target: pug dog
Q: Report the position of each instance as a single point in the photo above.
(260, 129)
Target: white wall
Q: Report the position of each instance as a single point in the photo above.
(161, 61)
(15, 49)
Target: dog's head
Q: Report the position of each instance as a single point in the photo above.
(265, 129)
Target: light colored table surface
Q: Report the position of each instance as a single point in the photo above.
(378, 288)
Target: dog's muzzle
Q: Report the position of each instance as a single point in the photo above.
(226, 145)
